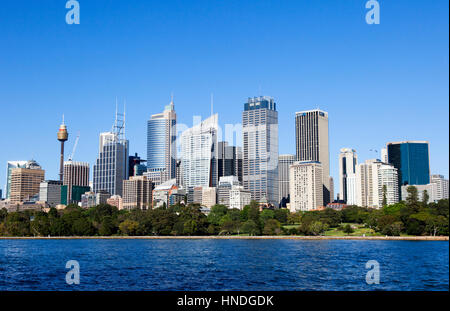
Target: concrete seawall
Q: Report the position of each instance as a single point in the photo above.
(389, 238)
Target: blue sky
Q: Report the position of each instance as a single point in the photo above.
(379, 83)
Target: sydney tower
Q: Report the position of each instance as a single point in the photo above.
(63, 135)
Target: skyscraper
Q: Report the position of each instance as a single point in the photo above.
(75, 174)
(25, 182)
(229, 160)
(137, 193)
(311, 137)
(50, 192)
(411, 158)
(111, 167)
(306, 184)
(161, 144)
(347, 166)
(260, 149)
(9, 166)
(199, 154)
(375, 181)
(284, 162)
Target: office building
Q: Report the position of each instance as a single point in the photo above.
(137, 193)
(226, 183)
(229, 160)
(347, 166)
(239, 197)
(199, 154)
(312, 143)
(429, 188)
(25, 182)
(76, 193)
(75, 174)
(441, 187)
(284, 162)
(161, 144)
(260, 149)
(374, 181)
(168, 194)
(306, 186)
(209, 196)
(135, 166)
(9, 166)
(115, 200)
(411, 158)
(111, 167)
(50, 192)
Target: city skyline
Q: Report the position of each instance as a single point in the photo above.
(371, 97)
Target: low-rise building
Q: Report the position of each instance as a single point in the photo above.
(239, 197)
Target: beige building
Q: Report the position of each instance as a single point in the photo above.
(312, 143)
(209, 196)
(137, 193)
(115, 200)
(25, 182)
(306, 186)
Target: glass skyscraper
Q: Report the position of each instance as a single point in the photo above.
(161, 145)
(260, 149)
(411, 158)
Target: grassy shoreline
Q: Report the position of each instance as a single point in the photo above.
(388, 238)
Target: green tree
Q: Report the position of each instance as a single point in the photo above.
(412, 200)
(272, 227)
(250, 227)
(317, 228)
(348, 229)
(384, 190)
(425, 198)
(129, 227)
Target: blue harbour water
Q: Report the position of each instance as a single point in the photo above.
(223, 264)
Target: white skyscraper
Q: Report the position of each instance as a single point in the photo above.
(440, 188)
(311, 137)
(347, 166)
(305, 182)
(199, 154)
(374, 180)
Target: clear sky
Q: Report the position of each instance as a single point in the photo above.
(379, 83)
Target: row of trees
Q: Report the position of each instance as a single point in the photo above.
(411, 217)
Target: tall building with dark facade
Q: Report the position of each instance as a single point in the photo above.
(229, 160)
(311, 138)
(260, 149)
(75, 174)
(411, 158)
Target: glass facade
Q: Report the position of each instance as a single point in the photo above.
(161, 143)
(412, 162)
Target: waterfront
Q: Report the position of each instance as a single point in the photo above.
(223, 264)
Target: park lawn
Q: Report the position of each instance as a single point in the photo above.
(360, 230)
